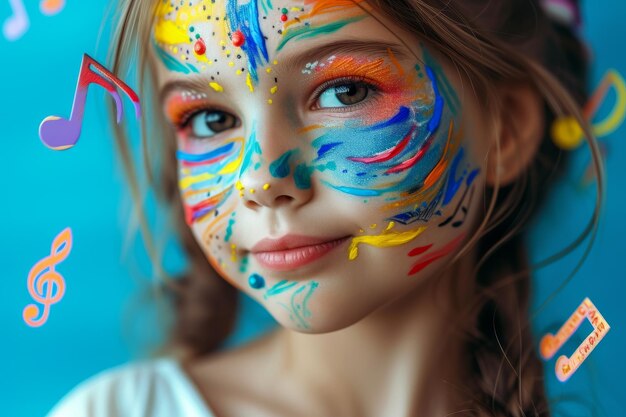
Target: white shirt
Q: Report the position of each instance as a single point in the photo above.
(155, 388)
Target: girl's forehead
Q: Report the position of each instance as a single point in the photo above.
(249, 37)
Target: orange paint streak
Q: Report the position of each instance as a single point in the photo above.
(309, 128)
(349, 66)
(321, 7)
(393, 59)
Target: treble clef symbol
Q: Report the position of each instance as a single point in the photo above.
(45, 285)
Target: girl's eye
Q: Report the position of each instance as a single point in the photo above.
(346, 94)
(208, 123)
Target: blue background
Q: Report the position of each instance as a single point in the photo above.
(99, 322)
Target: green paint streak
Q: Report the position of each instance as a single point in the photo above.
(243, 267)
(300, 309)
(229, 228)
(278, 288)
(446, 88)
(280, 167)
(172, 63)
(302, 176)
(310, 32)
(331, 166)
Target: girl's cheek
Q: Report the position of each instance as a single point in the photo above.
(207, 176)
(391, 149)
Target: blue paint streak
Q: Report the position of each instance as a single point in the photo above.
(280, 168)
(252, 148)
(472, 176)
(354, 191)
(302, 177)
(172, 63)
(205, 156)
(402, 116)
(433, 124)
(453, 184)
(246, 19)
(326, 148)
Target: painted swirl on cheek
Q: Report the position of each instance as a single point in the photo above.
(370, 165)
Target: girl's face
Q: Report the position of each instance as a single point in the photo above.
(325, 168)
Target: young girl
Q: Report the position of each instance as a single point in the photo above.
(364, 170)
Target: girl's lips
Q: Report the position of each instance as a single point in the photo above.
(291, 252)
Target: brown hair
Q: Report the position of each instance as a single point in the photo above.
(488, 41)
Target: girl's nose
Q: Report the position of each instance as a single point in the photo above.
(278, 180)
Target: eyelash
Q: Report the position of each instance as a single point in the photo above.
(342, 81)
(182, 121)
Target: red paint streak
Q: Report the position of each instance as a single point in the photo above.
(388, 154)
(191, 210)
(207, 162)
(414, 160)
(428, 259)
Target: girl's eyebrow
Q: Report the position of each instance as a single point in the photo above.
(295, 62)
(374, 48)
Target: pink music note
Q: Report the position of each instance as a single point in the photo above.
(51, 7)
(58, 133)
(551, 343)
(16, 24)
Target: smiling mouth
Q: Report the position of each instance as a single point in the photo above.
(291, 252)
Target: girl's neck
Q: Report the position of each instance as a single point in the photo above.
(407, 358)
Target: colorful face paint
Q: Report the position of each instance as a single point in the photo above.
(426, 260)
(410, 113)
(384, 240)
(256, 281)
(297, 305)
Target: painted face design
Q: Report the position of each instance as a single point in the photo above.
(344, 175)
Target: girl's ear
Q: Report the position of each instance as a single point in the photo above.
(520, 129)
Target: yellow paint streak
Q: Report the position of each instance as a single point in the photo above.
(167, 32)
(215, 86)
(385, 240)
(189, 181)
(249, 83)
(240, 186)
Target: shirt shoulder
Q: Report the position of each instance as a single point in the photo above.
(154, 388)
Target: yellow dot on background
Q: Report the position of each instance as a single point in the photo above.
(270, 101)
(266, 187)
(238, 72)
(274, 89)
(268, 70)
(231, 64)
(567, 133)
(239, 186)
(252, 191)
(275, 62)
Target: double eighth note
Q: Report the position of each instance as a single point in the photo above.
(59, 133)
(45, 285)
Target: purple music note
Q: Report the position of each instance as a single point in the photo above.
(16, 24)
(59, 133)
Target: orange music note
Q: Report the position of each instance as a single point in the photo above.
(550, 344)
(59, 133)
(42, 277)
